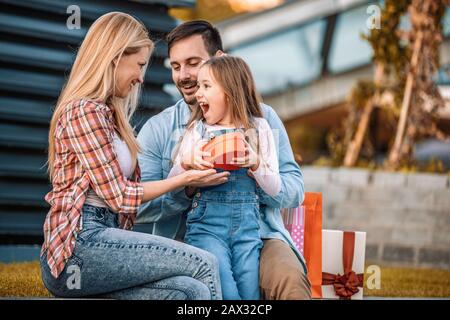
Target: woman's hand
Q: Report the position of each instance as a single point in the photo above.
(154, 189)
(250, 160)
(194, 159)
(195, 177)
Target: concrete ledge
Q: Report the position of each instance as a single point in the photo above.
(406, 216)
(427, 181)
(389, 179)
(313, 175)
(372, 252)
(351, 177)
(434, 257)
(398, 254)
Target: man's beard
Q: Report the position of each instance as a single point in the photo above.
(190, 100)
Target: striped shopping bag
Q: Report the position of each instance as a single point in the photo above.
(294, 221)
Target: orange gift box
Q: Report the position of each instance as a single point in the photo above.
(224, 148)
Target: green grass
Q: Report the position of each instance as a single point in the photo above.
(407, 282)
(24, 280)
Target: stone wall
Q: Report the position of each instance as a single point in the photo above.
(406, 216)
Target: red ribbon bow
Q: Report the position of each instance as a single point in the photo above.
(346, 285)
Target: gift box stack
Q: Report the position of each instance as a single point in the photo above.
(334, 258)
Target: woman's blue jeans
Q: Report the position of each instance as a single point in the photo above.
(109, 262)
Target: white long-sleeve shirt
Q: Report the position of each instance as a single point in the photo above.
(266, 175)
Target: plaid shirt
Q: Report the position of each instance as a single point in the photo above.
(85, 158)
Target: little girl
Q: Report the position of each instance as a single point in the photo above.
(224, 219)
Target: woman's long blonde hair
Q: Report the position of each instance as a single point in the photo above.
(93, 75)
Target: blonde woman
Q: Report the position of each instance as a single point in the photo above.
(96, 183)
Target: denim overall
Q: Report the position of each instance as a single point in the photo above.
(224, 220)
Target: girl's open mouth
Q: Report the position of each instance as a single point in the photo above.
(204, 106)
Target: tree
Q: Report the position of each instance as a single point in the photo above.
(402, 88)
(421, 99)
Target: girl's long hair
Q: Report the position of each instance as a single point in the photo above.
(93, 75)
(234, 76)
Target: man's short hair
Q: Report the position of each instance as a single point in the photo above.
(210, 35)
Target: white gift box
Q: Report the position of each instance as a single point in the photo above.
(333, 264)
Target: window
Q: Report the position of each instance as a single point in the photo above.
(348, 50)
(291, 57)
(446, 22)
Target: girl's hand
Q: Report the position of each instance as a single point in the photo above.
(194, 159)
(250, 160)
(194, 177)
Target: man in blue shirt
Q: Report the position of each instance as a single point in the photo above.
(282, 267)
